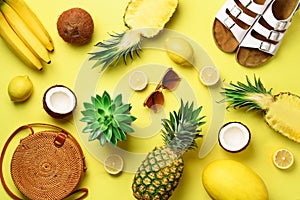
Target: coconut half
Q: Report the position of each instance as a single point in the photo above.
(59, 101)
(234, 137)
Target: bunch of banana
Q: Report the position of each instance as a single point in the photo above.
(24, 33)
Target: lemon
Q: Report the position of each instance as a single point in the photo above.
(113, 164)
(137, 80)
(20, 88)
(180, 51)
(283, 159)
(209, 75)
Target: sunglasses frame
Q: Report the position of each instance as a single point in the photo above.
(163, 84)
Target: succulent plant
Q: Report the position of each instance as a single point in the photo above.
(108, 120)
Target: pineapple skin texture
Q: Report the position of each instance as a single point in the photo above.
(283, 115)
(158, 175)
(232, 180)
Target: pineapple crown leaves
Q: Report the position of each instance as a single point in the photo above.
(120, 45)
(254, 96)
(182, 128)
(108, 120)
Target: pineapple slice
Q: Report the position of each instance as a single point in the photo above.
(139, 15)
(145, 19)
(282, 111)
(284, 114)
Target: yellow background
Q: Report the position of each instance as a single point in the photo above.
(193, 19)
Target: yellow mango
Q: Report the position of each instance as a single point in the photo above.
(232, 180)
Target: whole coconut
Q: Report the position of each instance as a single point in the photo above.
(75, 26)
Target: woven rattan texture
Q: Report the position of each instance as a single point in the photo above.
(41, 170)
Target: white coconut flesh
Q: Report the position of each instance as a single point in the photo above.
(234, 136)
(60, 100)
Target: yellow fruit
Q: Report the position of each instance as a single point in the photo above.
(180, 51)
(113, 164)
(209, 75)
(283, 159)
(138, 80)
(20, 88)
(229, 179)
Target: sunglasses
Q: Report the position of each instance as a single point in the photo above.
(169, 82)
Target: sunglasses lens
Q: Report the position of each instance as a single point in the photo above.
(170, 80)
(155, 101)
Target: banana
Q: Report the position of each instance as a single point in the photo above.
(22, 30)
(32, 22)
(17, 45)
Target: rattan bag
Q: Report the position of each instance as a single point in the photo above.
(48, 164)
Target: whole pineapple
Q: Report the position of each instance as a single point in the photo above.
(160, 172)
(281, 111)
(144, 19)
(108, 120)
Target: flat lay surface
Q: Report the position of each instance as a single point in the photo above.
(192, 20)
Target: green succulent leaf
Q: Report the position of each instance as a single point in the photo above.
(107, 120)
(94, 134)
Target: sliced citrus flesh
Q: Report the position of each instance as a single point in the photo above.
(138, 80)
(113, 164)
(283, 159)
(209, 75)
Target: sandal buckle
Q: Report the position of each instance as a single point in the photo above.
(281, 25)
(274, 35)
(235, 11)
(246, 3)
(229, 23)
(265, 46)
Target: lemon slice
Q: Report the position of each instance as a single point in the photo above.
(209, 75)
(113, 164)
(138, 80)
(283, 159)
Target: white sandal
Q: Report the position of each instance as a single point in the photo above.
(234, 20)
(264, 37)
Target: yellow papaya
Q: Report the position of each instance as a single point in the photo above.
(232, 180)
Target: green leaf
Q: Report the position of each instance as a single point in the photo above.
(88, 113)
(126, 128)
(117, 134)
(109, 133)
(88, 106)
(122, 109)
(87, 129)
(88, 119)
(118, 100)
(94, 134)
(106, 100)
(102, 139)
(122, 118)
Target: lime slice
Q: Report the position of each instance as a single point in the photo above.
(137, 80)
(113, 164)
(283, 159)
(209, 75)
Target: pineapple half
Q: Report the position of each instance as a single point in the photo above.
(108, 120)
(144, 18)
(281, 111)
(160, 172)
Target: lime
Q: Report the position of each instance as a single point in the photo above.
(20, 88)
(209, 75)
(283, 159)
(179, 50)
(138, 80)
(113, 164)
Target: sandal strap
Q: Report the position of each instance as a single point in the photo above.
(231, 7)
(254, 7)
(273, 36)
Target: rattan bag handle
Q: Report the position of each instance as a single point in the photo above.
(84, 191)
